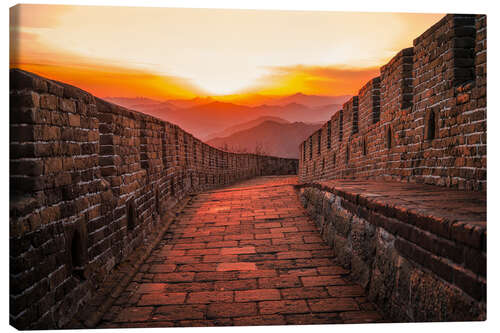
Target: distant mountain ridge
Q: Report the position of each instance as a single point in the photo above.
(299, 98)
(188, 103)
(311, 100)
(207, 117)
(205, 120)
(128, 102)
(268, 137)
(243, 126)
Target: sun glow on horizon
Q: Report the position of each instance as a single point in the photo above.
(183, 53)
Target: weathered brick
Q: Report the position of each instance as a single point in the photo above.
(333, 304)
(216, 310)
(283, 307)
(67, 105)
(48, 101)
(74, 120)
(179, 312)
(162, 299)
(257, 295)
(323, 280)
(304, 293)
(205, 297)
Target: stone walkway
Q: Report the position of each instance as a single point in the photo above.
(242, 255)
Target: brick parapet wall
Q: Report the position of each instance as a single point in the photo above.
(350, 116)
(89, 180)
(369, 104)
(417, 261)
(396, 87)
(432, 126)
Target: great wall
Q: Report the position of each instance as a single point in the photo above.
(104, 201)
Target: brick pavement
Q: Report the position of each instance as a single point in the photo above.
(242, 255)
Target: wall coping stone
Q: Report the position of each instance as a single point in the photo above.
(453, 214)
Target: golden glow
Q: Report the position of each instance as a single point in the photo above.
(116, 82)
(314, 80)
(182, 53)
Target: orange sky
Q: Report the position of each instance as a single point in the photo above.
(182, 53)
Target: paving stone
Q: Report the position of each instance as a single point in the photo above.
(293, 254)
(279, 282)
(237, 250)
(236, 284)
(203, 267)
(360, 316)
(257, 295)
(134, 314)
(257, 273)
(198, 252)
(283, 307)
(162, 299)
(151, 288)
(179, 312)
(323, 280)
(210, 270)
(221, 244)
(205, 323)
(216, 276)
(262, 320)
(298, 272)
(220, 258)
(313, 318)
(272, 249)
(345, 291)
(189, 286)
(218, 310)
(304, 293)
(174, 277)
(148, 324)
(236, 266)
(332, 270)
(210, 297)
(333, 304)
(162, 268)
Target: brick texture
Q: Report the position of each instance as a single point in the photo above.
(89, 182)
(422, 120)
(419, 250)
(272, 291)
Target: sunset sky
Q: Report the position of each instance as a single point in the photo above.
(165, 53)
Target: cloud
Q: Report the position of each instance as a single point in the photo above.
(30, 51)
(104, 81)
(322, 80)
(37, 16)
(334, 73)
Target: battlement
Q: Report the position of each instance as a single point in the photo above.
(423, 120)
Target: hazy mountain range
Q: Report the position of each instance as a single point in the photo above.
(208, 117)
(243, 126)
(299, 98)
(275, 137)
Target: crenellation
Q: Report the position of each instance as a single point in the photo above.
(350, 117)
(369, 104)
(423, 120)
